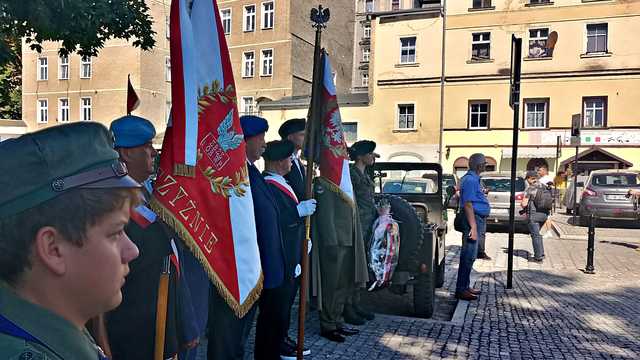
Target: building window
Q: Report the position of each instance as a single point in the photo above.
(366, 31)
(43, 68)
(167, 27)
(267, 62)
(479, 114)
(249, 18)
(536, 114)
(595, 112)
(366, 54)
(248, 64)
(597, 38)
(63, 70)
(85, 109)
(85, 67)
(43, 111)
(406, 116)
(247, 105)
(167, 68)
(481, 4)
(167, 111)
(395, 4)
(350, 130)
(225, 14)
(267, 15)
(368, 5)
(538, 2)
(538, 43)
(63, 110)
(481, 46)
(408, 50)
(365, 79)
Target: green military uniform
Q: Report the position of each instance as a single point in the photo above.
(339, 261)
(31, 332)
(363, 188)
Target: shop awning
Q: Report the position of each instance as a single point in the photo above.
(531, 153)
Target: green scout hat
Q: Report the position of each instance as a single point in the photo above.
(278, 150)
(39, 166)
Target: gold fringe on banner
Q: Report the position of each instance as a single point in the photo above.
(184, 170)
(239, 309)
(336, 189)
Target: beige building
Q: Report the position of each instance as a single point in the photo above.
(11, 129)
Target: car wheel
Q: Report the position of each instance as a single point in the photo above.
(424, 295)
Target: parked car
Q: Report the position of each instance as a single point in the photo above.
(569, 203)
(605, 195)
(498, 188)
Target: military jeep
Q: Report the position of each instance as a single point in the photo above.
(415, 193)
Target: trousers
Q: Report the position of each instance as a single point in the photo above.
(227, 333)
(468, 255)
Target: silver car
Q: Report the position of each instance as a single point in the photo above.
(605, 195)
(498, 188)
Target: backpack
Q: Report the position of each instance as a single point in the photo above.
(543, 199)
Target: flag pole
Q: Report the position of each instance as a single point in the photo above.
(319, 17)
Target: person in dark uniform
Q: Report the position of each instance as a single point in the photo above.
(276, 303)
(294, 131)
(64, 254)
(131, 327)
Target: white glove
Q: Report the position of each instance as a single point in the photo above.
(309, 246)
(307, 207)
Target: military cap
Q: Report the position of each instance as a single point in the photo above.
(278, 150)
(362, 147)
(131, 131)
(253, 125)
(531, 174)
(291, 126)
(39, 166)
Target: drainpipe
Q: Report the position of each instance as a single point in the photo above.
(443, 13)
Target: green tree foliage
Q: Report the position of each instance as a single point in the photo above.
(11, 82)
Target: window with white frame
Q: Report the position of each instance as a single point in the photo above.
(597, 35)
(225, 15)
(408, 50)
(368, 6)
(595, 112)
(366, 54)
(167, 27)
(63, 110)
(536, 112)
(167, 68)
(43, 111)
(85, 109)
(85, 67)
(247, 105)
(406, 116)
(248, 64)
(365, 79)
(350, 131)
(268, 14)
(481, 46)
(43, 68)
(267, 62)
(479, 114)
(395, 4)
(249, 18)
(538, 43)
(366, 31)
(63, 68)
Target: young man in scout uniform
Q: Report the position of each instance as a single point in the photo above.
(64, 254)
(276, 304)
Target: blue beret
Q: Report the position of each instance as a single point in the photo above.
(253, 125)
(131, 131)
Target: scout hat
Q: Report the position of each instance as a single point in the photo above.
(291, 126)
(278, 150)
(253, 125)
(362, 147)
(39, 166)
(132, 131)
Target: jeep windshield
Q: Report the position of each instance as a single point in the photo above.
(409, 182)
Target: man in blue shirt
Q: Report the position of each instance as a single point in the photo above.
(476, 209)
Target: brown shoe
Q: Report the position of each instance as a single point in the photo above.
(475, 291)
(466, 295)
(483, 256)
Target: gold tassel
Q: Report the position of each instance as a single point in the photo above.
(184, 170)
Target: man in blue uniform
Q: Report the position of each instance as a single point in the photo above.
(64, 254)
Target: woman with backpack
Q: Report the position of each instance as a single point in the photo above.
(536, 203)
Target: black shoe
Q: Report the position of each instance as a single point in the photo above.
(334, 336)
(290, 346)
(348, 331)
(351, 317)
(483, 256)
(539, 259)
(367, 315)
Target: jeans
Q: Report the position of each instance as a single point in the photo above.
(468, 255)
(536, 239)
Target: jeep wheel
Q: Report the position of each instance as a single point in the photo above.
(424, 295)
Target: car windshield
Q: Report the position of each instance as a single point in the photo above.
(616, 180)
(502, 184)
(410, 182)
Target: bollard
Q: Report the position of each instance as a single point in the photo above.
(590, 245)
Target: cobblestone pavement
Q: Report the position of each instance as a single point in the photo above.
(554, 311)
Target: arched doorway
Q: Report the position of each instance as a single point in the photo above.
(492, 164)
(460, 166)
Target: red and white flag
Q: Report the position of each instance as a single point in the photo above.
(132, 98)
(202, 189)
